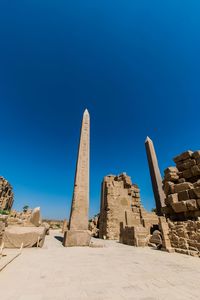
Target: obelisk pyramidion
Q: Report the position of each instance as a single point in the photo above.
(78, 234)
(156, 178)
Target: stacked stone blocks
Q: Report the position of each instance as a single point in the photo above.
(182, 187)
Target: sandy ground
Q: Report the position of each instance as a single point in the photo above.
(113, 272)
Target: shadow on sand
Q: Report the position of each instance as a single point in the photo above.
(59, 238)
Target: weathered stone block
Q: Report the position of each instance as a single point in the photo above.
(169, 187)
(195, 170)
(187, 174)
(197, 183)
(183, 156)
(186, 164)
(192, 194)
(197, 192)
(196, 154)
(182, 187)
(181, 180)
(184, 195)
(173, 198)
(171, 170)
(180, 207)
(198, 202)
(191, 204)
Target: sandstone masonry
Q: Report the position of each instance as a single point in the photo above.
(122, 216)
(182, 189)
(6, 194)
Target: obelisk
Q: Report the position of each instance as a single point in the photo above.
(156, 178)
(77, 233)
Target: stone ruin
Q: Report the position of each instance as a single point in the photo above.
(23, 229)
(182, 189)
(122, 216)
(93, 226)
(6, 194)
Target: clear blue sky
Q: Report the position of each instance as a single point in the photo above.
(134, 64)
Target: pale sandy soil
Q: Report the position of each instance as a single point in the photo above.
(113, 272)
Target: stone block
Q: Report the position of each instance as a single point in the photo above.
(181, 180)
(198, 202)
(184, 195)
(169, 187)
(186, 164)
(187, 174)
(196, 154)
(197, 184)
(76, 238)
(192, 194)
(182, 187)
(171, 177)
(173, 198)
(183, 156)
(197, 192)
(171, 170)
(191, 204)
(195, 170)
(180, 207)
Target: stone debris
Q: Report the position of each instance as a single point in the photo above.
(122, 216)
(6, 194)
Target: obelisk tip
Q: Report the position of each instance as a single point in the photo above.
(148, 139)
(86, 112)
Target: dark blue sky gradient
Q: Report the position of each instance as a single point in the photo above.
(134, 64)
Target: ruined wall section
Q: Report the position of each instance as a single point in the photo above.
(185, 237)
(118, 196)
(182, 187)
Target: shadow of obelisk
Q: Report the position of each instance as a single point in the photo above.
(77, 233)
(156, 178)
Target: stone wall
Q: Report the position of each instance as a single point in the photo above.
(118, 195)
(122, 215)
(185, 237)
(6, 194)
(182, 187)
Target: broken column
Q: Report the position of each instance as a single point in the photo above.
(78, 234)
(156, 178)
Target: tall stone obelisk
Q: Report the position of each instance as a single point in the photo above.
(78, 234)
(156, 178)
